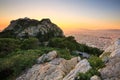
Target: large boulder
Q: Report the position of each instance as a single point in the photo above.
(115, 53)
(111, 51)
(112, 69)
(47, 57)
(82, 67)
(56, 69)
(114, 46)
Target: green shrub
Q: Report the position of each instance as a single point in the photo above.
(71, 44)
(66, 43)
(30, 43)
(7, 34)
(46, 49)
(15, 63)
(87, 75)
(8, 45)
(96, 62)
(90, 50)
(64, 53)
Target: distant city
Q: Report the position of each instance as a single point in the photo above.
(96, 38)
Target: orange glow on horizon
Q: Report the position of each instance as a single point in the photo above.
(69, 15)
(70, 25)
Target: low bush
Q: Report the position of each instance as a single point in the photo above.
(30, 43)
(17, 62)
(66, 43)
(96, 62)
(87, 75)
(7, 34)
(71, 44)
(64, 53)
(90, 50)
(8, 45)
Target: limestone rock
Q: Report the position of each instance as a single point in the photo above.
(56, 69)
(114, 46)
(95, 77)
(111, 51)
(47, 57)
(112, 69)
(82, 67)
(115, 53)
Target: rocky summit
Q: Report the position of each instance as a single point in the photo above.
(25, 27)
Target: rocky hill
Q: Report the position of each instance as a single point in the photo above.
(50, 67)
(25, 27)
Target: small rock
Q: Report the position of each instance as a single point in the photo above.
(95, 77)
(51, 55)
(41, 59)
(47, 57)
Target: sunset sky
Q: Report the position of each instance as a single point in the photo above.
(67, 14)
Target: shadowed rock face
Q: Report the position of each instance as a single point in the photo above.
(25, 27)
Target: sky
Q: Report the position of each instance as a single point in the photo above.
(67, 14)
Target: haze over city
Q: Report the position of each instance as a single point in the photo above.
(67, 14)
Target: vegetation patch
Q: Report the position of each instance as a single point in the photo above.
(96, 63)
(17, 62)
(71, 44)
(17, 55)
(8, 45)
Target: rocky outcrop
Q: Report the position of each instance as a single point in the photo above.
(112, 50)
(82, 67)
(25, 27)
(114, 46)
(47, 57)
(112, 69)
(55, 69)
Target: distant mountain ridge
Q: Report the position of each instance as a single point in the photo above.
(26, 27)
